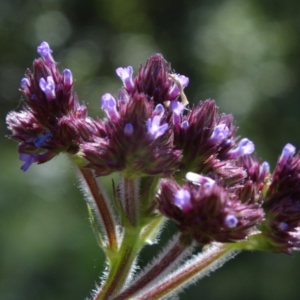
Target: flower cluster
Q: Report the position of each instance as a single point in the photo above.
(205, 211)
(150, 130)
(281, 228)
(52, 120)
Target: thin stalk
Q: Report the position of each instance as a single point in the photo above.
(209, 260)
(102, 207)
(121, 265)
(169, 258)
(130, 198)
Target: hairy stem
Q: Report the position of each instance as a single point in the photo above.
(102, 207)
(173, 253)
(121, 264)
(130, 198)
(199, 266)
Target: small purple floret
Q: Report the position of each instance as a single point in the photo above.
(159, 109)
(175, 91)
(25, 83)
(45, 51)
(244, 147)
(185, 124)
(40, 141)
(264, 170)
(220, 133)
(29, 159)
(154, 127)
(283, 226)
(182, 199)
(68, 77)
(231, 221)
(126, 76)
(177, 108)
(48, 87)
(109, 105)
(199, 179)
(288, 151)
(128, 129)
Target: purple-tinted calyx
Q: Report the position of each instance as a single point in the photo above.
(154, 128)
(199, 179)
(182, 199)
(109, 105)
(244, 147)
(126, 76)
(219, 133)
(45, 52)
(48, 87)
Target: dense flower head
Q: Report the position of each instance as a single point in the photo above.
(139, 138)
(254, 185)
(138, 142)
(51, 120)
(208, 143)
(205, 211)
(281, 227)
(155, 80)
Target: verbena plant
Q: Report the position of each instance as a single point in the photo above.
(175, 161)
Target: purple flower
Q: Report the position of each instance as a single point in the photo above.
(138, 140)
(200, 180)
(182, 199)
(25, 83)
(220, 133)
(244, 147)
(159, 110)
(174, 91)
(177, 108)
(203, 134)
(68, 78)
(282, 204)
(109, 105)
(40, 140)
(48, 87)
(45, 51)
(126, 76)
(128, 129)
(29, 159)
(154, 128)
(208, 213)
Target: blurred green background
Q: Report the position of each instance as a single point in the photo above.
(244, 54)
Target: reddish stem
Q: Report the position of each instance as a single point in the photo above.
(185, 274)
(102, 207)
(153, 272)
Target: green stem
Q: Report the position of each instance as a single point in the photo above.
(121, 264)
(171, 256)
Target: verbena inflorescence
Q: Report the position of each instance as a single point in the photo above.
(176, 161)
